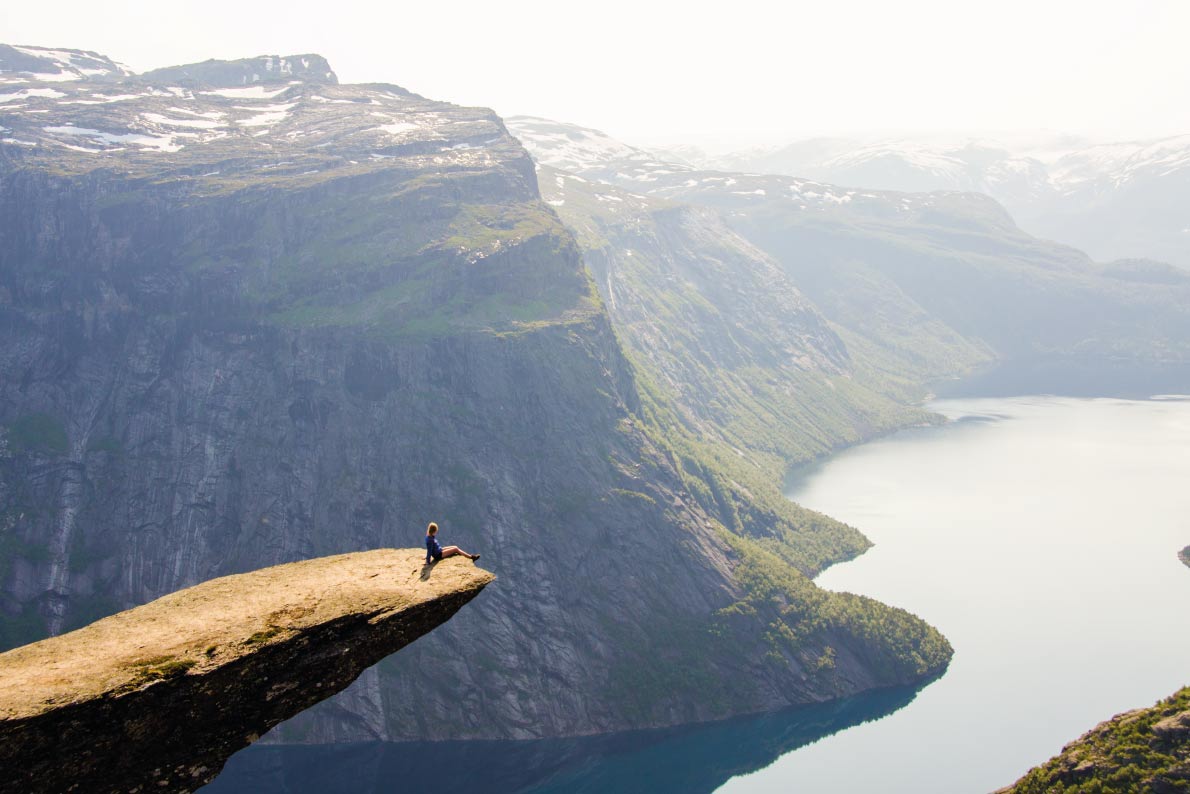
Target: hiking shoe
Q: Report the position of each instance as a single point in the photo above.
(476, 557)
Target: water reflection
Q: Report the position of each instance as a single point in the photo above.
(682, 761)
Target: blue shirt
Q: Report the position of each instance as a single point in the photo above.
(432, 548)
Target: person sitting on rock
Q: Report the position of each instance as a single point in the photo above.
(437, 552)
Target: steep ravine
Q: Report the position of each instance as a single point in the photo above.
(329, 314)
(157, 698)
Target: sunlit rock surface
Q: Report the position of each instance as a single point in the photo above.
(158, 697)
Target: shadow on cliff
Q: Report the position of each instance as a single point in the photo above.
(681, 761)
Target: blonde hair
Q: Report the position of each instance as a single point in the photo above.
(432, 528)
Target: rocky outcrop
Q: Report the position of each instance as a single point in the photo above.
(263, 70)
(1143, 750)
(158, 697)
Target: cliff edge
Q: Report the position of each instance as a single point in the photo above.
(158, 697)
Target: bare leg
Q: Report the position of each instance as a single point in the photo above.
(451, 551)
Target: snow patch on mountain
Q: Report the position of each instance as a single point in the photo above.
(161, 143)
(251, 92)
(1120, 163)
(28, 93)
(398, 128)
(25, 64)
(265, 115)
(569, 147)
(167, 121)
(598, 157)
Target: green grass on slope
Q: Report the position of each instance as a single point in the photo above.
(1140, 752)
(752, 380)
(778, 546)
(739, 379)
(743, 491)
(803, 628)
(482, 268)
(897, 645)
(904, 371)
(423, 256)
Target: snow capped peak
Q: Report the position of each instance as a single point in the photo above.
(1118, 163)
(599, 158)
(207, 120)
(1113, 199)
(27, 64)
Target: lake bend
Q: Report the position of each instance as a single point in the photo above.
(1040, 535)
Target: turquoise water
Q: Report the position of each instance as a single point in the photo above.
(1039, 534)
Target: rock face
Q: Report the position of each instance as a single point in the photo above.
(737, 349)
(158, 697)
(1143, 750)
(264, 70)
(254, 321)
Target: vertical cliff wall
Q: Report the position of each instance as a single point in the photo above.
(249, 324)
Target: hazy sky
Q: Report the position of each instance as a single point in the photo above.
(652, 71)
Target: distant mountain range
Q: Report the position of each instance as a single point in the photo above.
(22, 65)
(1114, 200)
(919, 285)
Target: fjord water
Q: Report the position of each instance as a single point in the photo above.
(691, 760)
(1040, 534)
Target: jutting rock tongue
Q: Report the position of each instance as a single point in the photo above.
(157, 698)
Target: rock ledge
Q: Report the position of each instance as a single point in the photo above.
(158, 697)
